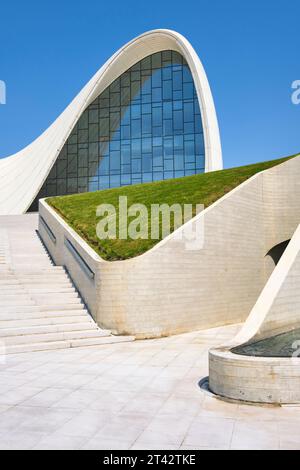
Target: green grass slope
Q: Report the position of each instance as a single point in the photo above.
(79, 210)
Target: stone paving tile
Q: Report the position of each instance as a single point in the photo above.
(15, 416)
(261, 413)
(161, 385)
(101, 383)
(74, 381)
(255, 436)
(140, 395)
(113, 402)
(4, 408)
(165, 430)
(79, 399)
(157, 446)
(85, 423)
(133, 383)
(210, 432)
(148, 403)
(47, 421)
(124, 428)
(212, 407)
(98, 443)
(289, 432)
(58, 441)
(182, 404)
(47, 397)
(19, 395)
(19, 440)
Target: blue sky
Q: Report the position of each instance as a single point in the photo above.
(250, 50)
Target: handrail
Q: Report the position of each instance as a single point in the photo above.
(82, 263)
(48, 229)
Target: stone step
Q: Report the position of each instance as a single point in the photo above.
(64, 319)
(9, 282)
(47, 277)
(45, 329)
(51, 269)
(61, 306)
(36, 290)
(12, 278)
(37, 315)
(8, 297)
(16, 302)
(23, 309)
(33, 270)
(6, 291)
(49, 299)
(40, 308)
(23, 348)
(51, 285)
(50, 337)
(105, 340)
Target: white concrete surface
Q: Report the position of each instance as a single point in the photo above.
(169, 289)
(277, 310)
(23, 174)
(39, 306)
(138, 395)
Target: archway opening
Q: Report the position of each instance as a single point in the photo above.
(277, 251)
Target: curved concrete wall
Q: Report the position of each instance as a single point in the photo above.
(169, 289)
(277, 310)
(254, 379)
(23, 174)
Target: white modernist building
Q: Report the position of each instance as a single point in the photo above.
(147, 114)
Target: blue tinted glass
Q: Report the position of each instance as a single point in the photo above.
(189, 111)
(125, 132)
(157, 95)
(125, 154)
(115, 181)
(145, 126)
(167, 90)
(146, 145)
(136, 166)
(178, 120)
(177, 81)
(126, 179)
(188, 91)
(135, 111)
(156, 79)
(179, 161)
(157, 141)
(136, 128)
(147, 162)
(136, 147)
(157, 116)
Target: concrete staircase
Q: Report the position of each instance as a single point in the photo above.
(39, 307)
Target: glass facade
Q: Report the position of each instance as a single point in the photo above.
(146, 126)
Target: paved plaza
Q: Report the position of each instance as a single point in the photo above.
(138, 395)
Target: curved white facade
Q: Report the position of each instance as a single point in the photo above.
(23, 174)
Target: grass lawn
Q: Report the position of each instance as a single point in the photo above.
(79, 210)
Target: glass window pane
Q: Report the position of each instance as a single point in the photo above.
(136, 128)
(167, 90)
(146, 123)
(145, 126)
(147, 162)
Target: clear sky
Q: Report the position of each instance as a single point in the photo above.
(250, 50)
